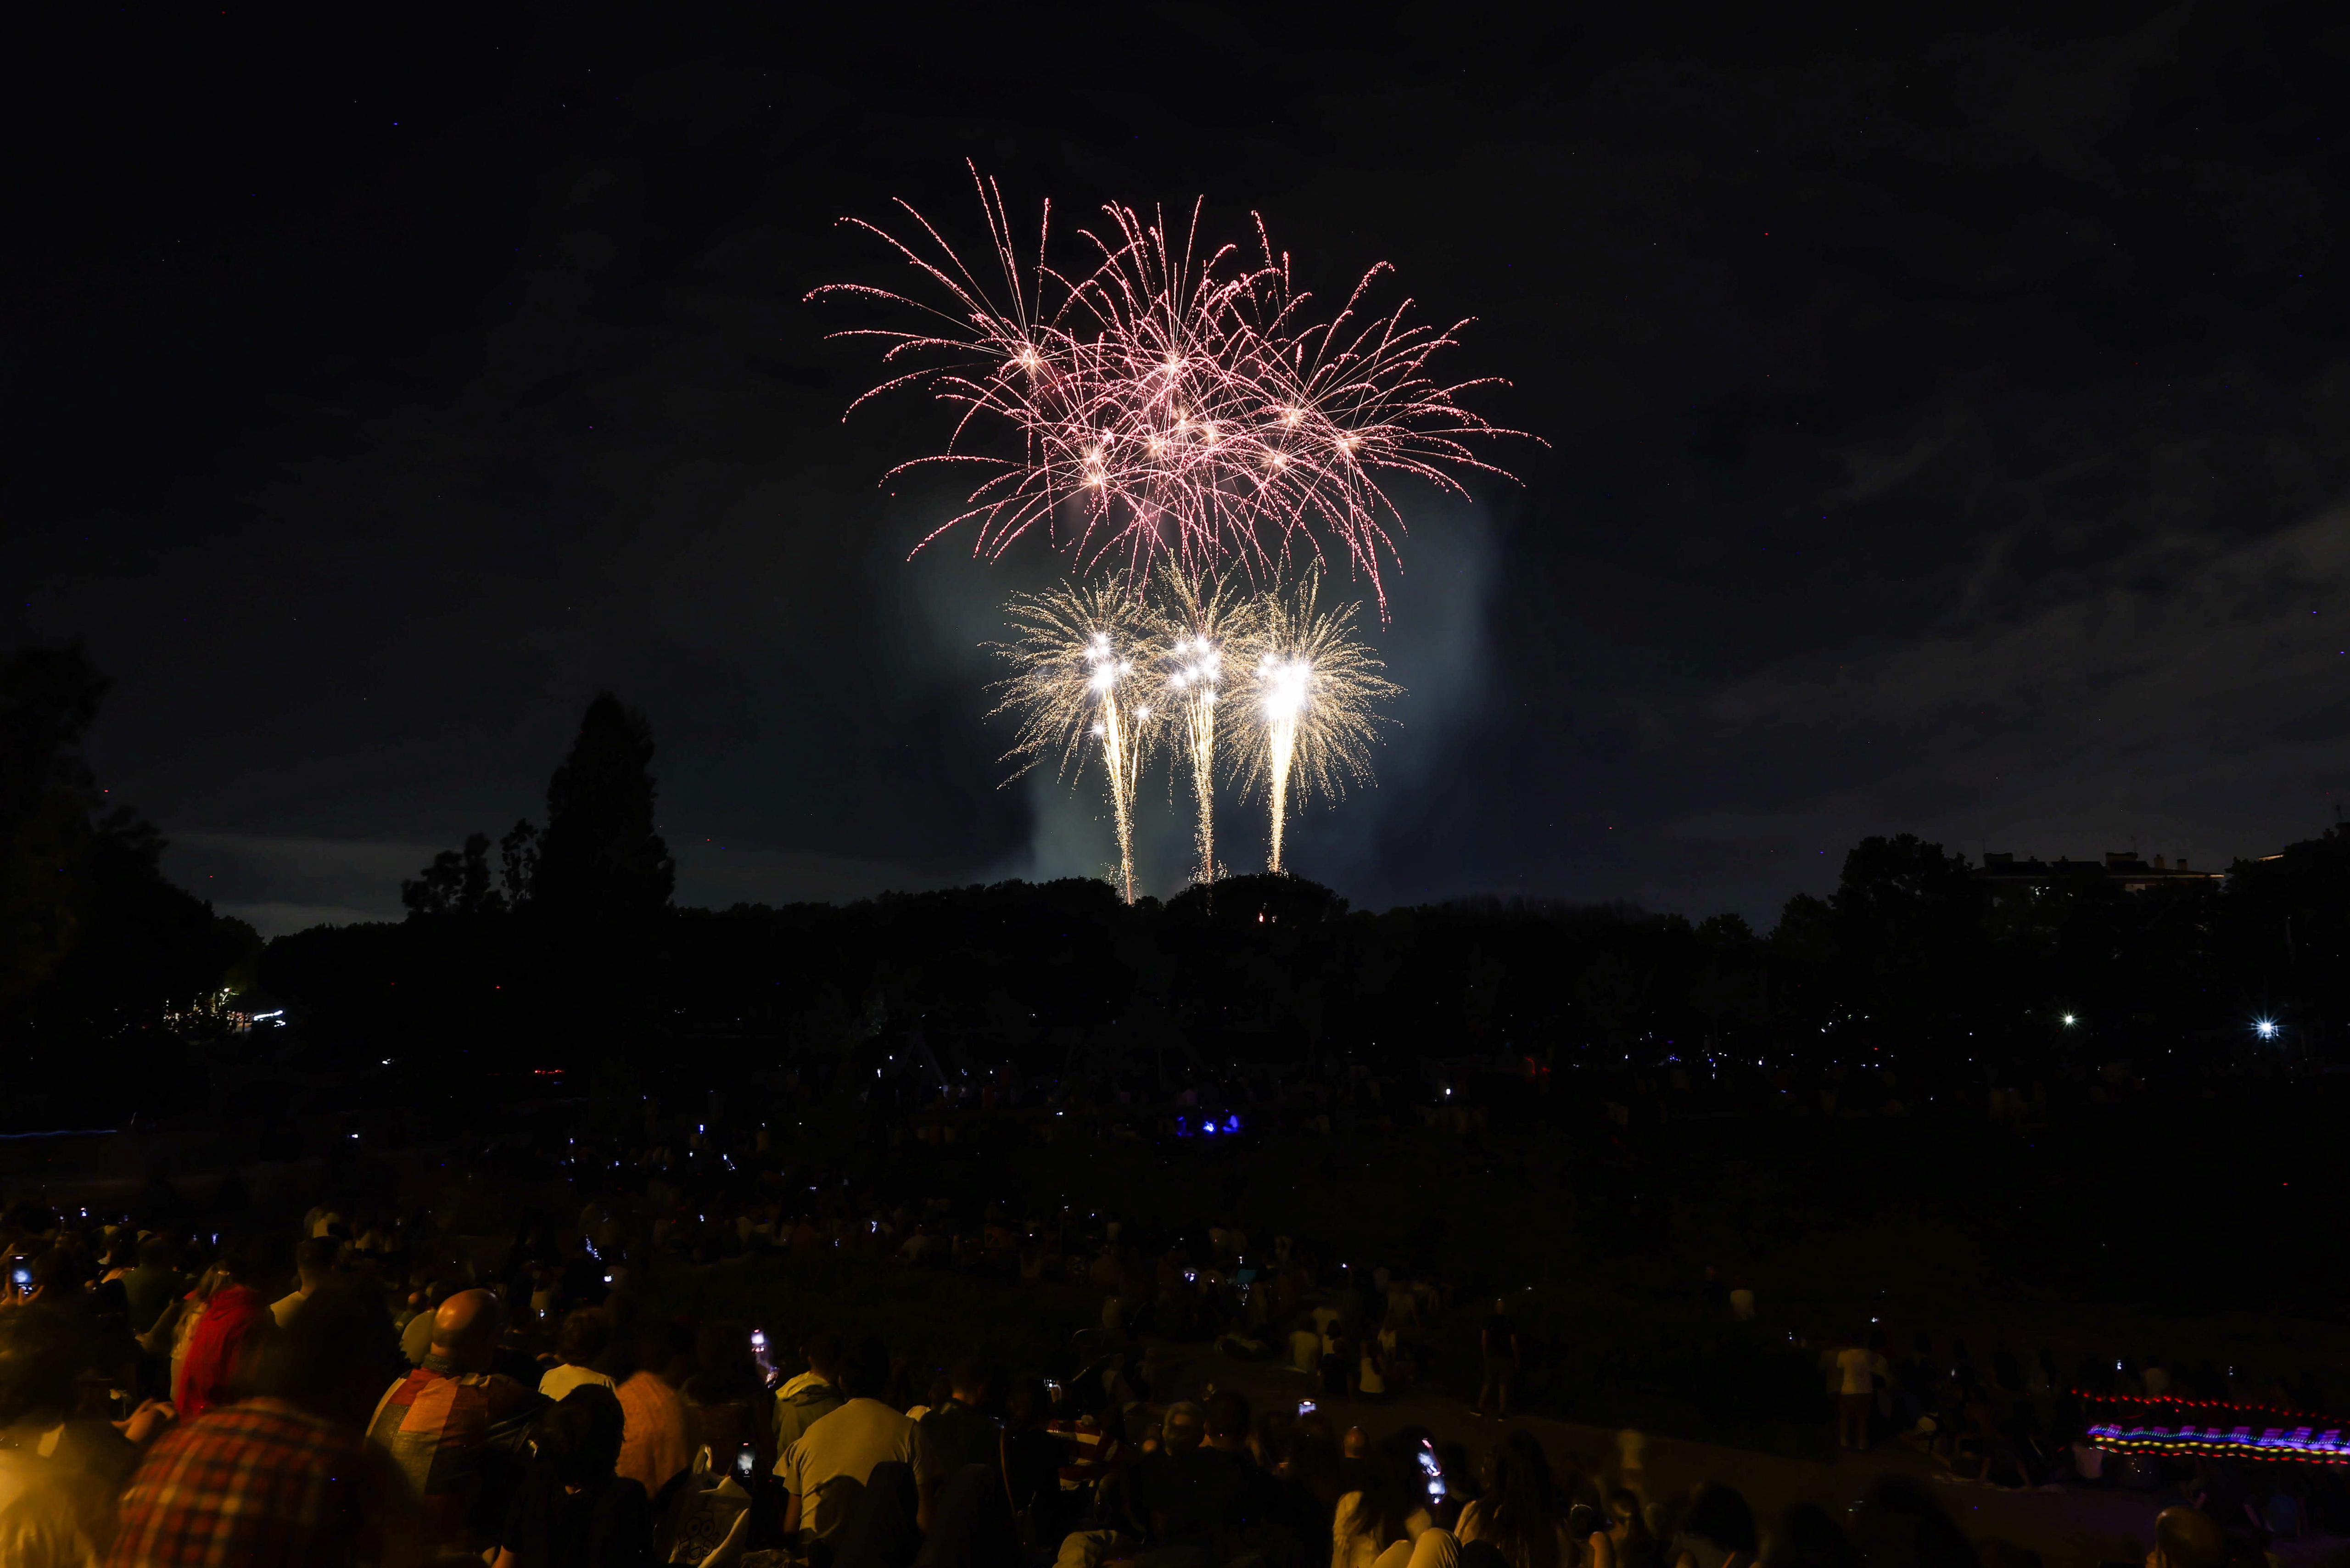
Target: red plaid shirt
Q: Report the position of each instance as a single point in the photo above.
(262, 1485)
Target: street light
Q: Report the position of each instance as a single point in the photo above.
(2266, 1028)
(2070, 1020)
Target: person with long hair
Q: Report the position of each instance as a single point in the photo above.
(1626, 1542)
(1387, 1521)
(1522, 1511)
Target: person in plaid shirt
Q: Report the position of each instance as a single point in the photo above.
(459, 1431)
(286, 1478)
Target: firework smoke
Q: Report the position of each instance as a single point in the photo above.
(1311, 698)
(1178, 404)
(1194, 627)
(1077, 654)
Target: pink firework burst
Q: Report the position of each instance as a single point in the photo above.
(1171, 401)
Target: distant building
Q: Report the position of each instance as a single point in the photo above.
(2135, 876)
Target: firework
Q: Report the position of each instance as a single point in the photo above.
(1171, 401)
(1194, 627)
(1080, 658)
(1312, 699)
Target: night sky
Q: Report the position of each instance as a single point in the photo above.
(1948, 428)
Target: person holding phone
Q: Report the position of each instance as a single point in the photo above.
(1388, 1522)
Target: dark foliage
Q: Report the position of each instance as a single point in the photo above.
(96, 946)
(601, 857)
(1913, 961)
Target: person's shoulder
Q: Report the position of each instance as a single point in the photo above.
(627, 1499)
(502, 1388)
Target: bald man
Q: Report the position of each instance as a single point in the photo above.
(457, 1430)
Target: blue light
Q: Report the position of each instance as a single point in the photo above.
(2266, 1028)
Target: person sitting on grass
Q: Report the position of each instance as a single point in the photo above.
(583, 1337)
(573, 1510)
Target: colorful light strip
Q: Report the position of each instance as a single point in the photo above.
(2129, 1425)
(2300, 1445)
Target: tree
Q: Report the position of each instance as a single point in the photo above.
(518, 862)
(1911, 931)
(456, 883)
(602, 857)
(48, 697)
(94, 943)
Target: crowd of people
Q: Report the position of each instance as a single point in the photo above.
(372, 1384)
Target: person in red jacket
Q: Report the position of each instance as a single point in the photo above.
(220, 1352)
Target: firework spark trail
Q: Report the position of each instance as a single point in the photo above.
(1179, 403)
(1074, 652)
(1194, 625)
(1313, 699)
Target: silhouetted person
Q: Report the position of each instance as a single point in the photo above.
(286, 1478)
(573, 1512)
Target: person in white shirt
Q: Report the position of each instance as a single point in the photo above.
(1858, 1366)
(582, 1339)
(314, 1265)
(825, 1469)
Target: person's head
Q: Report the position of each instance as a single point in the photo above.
(334, 1356)
(624, 1320)
(1393, 1488)
(867, 1373)
(1227, 1421)
(822, 1351)
(246, 1260)
(2187, 1538)
(721, 1358)
(314, 1258)
(56, 1274)
(1027, 1404)
(1356, 1444)
(583, 1336)
(1523, 1487)
(1717, 1524)
(1312, 1457)
(1183, 1428)
(668, 1351)
(466, 1328)
(1624, 1519)
(578, 1438)
(968, 1380)
(155, 1252)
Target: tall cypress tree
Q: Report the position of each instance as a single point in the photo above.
(601, 858)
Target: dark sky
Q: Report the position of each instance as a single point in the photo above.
(1948, 427)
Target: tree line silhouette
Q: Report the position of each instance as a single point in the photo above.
(568, 950)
